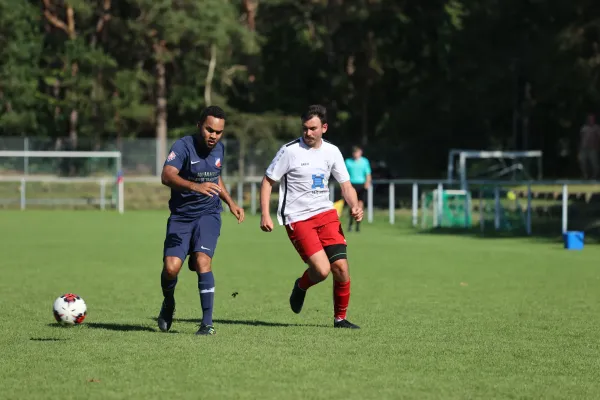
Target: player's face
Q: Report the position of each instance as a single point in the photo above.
(313, 131)
(212, 131)
(357, 154)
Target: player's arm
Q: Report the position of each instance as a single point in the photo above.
(279, 167)
(224, 194)
(368, 171)
(236, 210)
(170, 174)
(266, 187)
(340, 173)
(349, 194)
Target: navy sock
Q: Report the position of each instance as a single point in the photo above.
(168, 287)
(206, 288)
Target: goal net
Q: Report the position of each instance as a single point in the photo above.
(487, 206)
(465, 165)
(61, 179)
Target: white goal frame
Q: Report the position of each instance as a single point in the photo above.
(67, 154)
(463, 155)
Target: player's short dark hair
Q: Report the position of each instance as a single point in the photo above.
(211, 111)
(315, 110)
(356, 148)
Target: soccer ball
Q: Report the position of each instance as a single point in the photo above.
(69, 309)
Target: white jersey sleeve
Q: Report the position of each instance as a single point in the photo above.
(338, 169)
(280, 164)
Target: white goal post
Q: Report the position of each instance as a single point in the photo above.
(463, 155)
(102, 180)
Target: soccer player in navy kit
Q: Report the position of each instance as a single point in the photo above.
(193, 172)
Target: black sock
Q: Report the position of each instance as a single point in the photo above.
(168, 287)
(357, 226)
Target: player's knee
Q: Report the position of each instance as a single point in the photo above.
(319, 267)
(339, 269)
(172, 265)
(203, 263)
(320, 274)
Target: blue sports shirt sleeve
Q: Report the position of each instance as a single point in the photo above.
(367, 167)
(178, 155)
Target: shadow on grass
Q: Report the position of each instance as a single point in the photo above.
(47, 339)
(120, 327)
(250, 323)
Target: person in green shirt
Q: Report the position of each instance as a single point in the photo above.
(359, 169)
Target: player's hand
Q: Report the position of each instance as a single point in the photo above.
(357, 213)
(238, 212)
(266, 223)
(208, 189)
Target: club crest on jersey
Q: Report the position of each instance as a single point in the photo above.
(318, 181)
(171, 156)
(218, 163)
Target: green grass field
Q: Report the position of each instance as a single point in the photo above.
(446, 317)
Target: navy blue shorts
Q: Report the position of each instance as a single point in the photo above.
(186, 236)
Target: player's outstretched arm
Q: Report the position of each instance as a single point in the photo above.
(170, 177)
(266, 187)
(349, 194)
(236, 210)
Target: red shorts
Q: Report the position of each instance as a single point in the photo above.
(313, 234)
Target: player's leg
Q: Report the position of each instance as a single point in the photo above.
(305, 239)
(341, 289)
(334, 244)
(175, 249)
(206, 236)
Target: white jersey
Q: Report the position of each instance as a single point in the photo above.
(304, 173)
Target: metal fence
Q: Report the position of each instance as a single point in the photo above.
(140, 157)
(564, 204)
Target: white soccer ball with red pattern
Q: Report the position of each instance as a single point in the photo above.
(69, 309)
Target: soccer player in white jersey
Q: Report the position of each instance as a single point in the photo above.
(304, 166)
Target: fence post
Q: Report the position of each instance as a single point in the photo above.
(440, 205)
(392, 203)
(332, 192)
(23, 198)
(481, 217)
(121, 188)
(415, 204)
(370, 203)
(240, 193)
(496, 207)
(26, 158)
(102, 194)
(565, 208)
(529, 209)
(253, 198)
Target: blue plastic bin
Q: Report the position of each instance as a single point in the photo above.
(573, 240)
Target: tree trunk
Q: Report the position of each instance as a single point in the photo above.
(99, 36)
(74, 116)
(242, 158)
(73, 119)
(210, 75)
(69, 28)
(161, 114)
(250, 8)
(364, 134)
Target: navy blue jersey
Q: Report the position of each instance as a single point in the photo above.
(196, 165)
